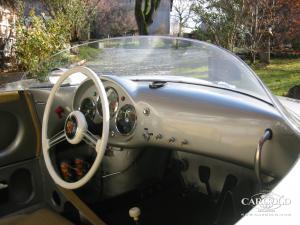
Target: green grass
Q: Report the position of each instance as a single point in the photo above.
(197, 72)
(88, 53)
(280, 75)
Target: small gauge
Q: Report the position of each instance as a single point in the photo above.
(126, 119)
(113, 101)
(88, 108)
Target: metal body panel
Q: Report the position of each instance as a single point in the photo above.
(214, 122)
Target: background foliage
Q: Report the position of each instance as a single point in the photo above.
(38, 39)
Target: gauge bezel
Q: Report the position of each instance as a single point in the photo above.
(112, 114)
(135, 121)
(94, 106)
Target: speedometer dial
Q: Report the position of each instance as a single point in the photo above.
(113, 101)
(126, 119)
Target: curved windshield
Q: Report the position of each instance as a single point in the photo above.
(161, 58)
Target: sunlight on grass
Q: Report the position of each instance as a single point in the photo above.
(88, 53)
(198, 72)
(280, 75)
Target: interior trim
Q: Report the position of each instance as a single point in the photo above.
(6, 97)
(35, 121)
(81, 206)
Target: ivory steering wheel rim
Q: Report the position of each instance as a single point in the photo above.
(81, 131)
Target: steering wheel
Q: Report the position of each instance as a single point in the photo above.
(76, 129)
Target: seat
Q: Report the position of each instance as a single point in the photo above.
(41, 216)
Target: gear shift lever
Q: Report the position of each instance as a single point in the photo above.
(135, 213)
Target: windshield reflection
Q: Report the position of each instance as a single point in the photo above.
(168, 58)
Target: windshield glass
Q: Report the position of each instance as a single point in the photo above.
(160, 58)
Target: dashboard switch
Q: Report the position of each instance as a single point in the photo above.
(147, 135)
(146, 111)
(60, 112)
(184, 142)
(158, 137)
(172, 140)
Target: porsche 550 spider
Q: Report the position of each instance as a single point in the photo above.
(174, 130)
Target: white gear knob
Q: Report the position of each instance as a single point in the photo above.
(134, 213)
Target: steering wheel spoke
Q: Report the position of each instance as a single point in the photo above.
(57, 138)
(90, 139)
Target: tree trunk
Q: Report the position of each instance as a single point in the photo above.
(253, 57)
(180, 29)
(140, 18)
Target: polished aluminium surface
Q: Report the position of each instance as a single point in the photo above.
(214, 122)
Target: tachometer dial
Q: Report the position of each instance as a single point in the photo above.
(88, 108)
(113, 101)
(126, 119)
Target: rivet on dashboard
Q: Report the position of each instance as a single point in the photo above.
(146, 111)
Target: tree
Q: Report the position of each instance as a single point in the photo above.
(38, 39)
(144, 10)
(6, 35)
(220, 20)
(242, 23)
(181, 13)
(260, 18)
(79, 13)
(288, 31)
(113, 20)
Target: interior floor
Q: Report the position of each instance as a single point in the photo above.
(164, 203)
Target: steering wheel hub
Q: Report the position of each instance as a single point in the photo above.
(75, 127)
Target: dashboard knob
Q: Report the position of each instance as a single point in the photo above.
(146, 111)
(135, 213)
(172, 140)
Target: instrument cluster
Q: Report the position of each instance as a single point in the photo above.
(122, 115)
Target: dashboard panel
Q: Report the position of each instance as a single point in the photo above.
(204, 120)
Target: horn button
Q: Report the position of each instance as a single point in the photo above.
(75, 127)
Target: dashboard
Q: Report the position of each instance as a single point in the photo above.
(209, 121)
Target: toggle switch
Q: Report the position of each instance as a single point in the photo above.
(172, 140)
(158, 137)
(147, 135)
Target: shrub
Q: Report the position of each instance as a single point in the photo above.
(38, 39)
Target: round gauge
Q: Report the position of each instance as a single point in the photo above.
(126, 119)
(88, 108)
(113, 101)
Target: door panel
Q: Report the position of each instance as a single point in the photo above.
(19, 129)
(21, 183)
(23, 186)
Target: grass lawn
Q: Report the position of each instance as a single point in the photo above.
(280, 75)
